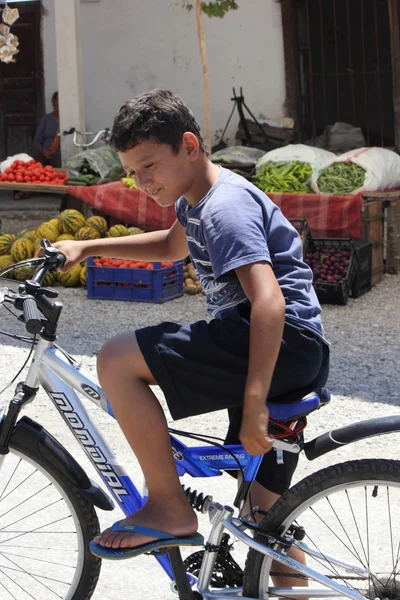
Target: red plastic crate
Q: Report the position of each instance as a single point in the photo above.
(135, 285)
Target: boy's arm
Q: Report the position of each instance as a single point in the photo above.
(168, 244)
(266, 329)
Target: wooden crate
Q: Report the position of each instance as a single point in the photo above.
(393, 237)
(372, 231)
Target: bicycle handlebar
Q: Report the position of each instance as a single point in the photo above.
(103, 134)
(31, 291)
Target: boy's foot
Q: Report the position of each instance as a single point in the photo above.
(179, 522)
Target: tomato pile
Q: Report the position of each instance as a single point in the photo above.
(128, 264)
(32, 172)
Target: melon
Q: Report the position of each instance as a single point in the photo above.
(65, 236)
(6, 241)
(72, 277)
(22, 233)
(117, 231)
(6, 261)
(22, 249)
(30, 234)
(56, 224)
(23, 273)
(71, 221)
(50, 279)
(87, 233)
(83, 276)
(48, 230)
(135, 230)
(98, 223)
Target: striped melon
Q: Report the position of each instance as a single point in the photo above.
(22, 249)
(48, 230)
(36, 245)
(50, 279)
(6, 261)
(22, 233)
(6, 241)
(98, 223)
(65, 236)
(71, 221)
(30, 235)
(87, 233)
(135, 230)
(117, 231)
(23, 273)
(56, 224)
(72, 277)
(83, 276)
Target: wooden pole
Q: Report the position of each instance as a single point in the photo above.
(292, 67)
(206, 87)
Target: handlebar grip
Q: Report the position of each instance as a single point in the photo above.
(61, 260)
(33, 323)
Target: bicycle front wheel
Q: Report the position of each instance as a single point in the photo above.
(45, 530)
(351, 526)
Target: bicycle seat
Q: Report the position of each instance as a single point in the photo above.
(287, 407)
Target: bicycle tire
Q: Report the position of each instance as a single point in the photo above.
(82, 585)
(295, 502)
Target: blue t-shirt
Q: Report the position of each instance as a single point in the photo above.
(236, 224)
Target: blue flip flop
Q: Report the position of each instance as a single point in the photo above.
(164, 540)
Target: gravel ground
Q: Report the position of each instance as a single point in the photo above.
(364, 378)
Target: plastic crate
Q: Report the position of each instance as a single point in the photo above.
(336, 292)
(301, 226)
(135, 285)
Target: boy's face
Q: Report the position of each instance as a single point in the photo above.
(159, 172)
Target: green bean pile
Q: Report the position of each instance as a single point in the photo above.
(341, 178)
(284, 177)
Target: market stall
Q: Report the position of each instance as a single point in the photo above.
(125, 205)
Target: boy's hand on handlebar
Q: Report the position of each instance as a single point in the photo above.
(72, 250)
(253, 431)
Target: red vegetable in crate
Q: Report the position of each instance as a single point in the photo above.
(329, 264)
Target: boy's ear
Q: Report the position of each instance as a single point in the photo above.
(191, 145)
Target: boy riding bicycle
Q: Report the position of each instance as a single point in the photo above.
(264, 338)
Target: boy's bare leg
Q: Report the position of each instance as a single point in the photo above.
(265, 499)
(125, 378)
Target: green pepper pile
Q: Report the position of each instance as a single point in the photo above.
(284, 177)
(341, 178)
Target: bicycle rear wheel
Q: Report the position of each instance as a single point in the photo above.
(351, 518)
(45, 530)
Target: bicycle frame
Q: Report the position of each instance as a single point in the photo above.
(62, 377)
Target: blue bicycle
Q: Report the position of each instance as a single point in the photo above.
(344, 518)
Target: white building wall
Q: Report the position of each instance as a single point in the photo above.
(130, 46)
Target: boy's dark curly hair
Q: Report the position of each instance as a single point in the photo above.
(158, 115)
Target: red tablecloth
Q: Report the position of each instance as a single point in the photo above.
(327, 216)
(128, 206)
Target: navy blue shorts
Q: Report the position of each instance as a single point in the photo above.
(202, 367)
